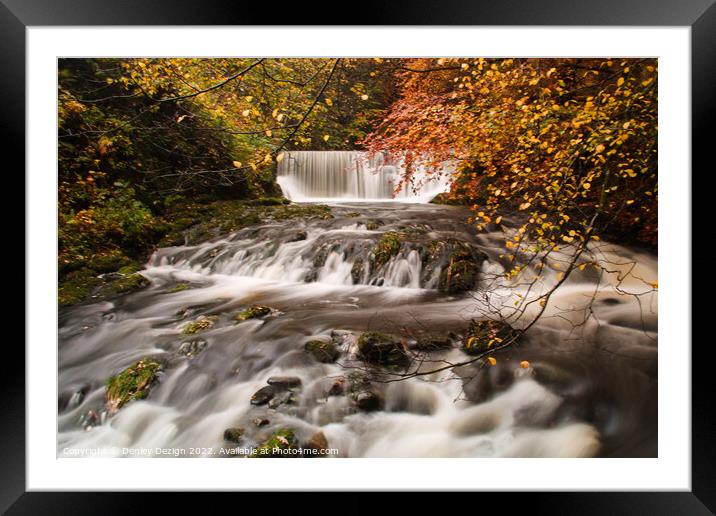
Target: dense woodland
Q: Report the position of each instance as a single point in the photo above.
(147, 146)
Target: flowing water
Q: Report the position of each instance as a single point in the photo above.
(590, 388)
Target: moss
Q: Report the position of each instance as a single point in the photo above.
(387, 247)
(267, 201)
(179, 288)
(234, 435)
(110, 262)
(128, 284)
(283, 439)
(132, 383)
(202, 323)
(483, 335)
(76, 286)
(432, 342)
(323, 351)
(254, 312)
(372, 225)
(130, 268)
(381, 348)
(462, 271)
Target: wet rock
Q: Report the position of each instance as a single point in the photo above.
(263, 395)
(484, 335)
(387, 247)
(357, 271)
(282, 397)
(372, 225)
(317, 442)
(234, 435)
(133, 383)
(381, 348)
(337, 388)
(433, 342)
(284, 382)
(202, 323)
(368, 401)
(300, 235)
(282, 440)
(322, 351)
(254, 312)
(462, 271)
(192, 348)
(260, 421)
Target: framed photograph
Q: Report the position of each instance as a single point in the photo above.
(426, 250)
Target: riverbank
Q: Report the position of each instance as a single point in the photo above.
(109, 268)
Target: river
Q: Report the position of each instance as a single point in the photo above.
(581, 383)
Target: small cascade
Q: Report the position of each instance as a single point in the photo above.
(355, 175)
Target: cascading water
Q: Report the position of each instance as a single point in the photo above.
(330, 175)
(590, 388)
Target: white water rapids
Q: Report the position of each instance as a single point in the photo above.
(590, 388)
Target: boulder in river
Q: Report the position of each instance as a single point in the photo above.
(462, 270)
(254, 312)
(263, 395)
(484, 335)
(368, 401)
(322, 351)
(234, 435)
(133, 383)
(318, 443)
(433, 342)
(280, 441)
(191, 348)
(284, 382)
(202, 323)
(381, 348)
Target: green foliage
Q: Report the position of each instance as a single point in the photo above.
(283, 439)
(131, 384)
(254, 312)
(387, 247)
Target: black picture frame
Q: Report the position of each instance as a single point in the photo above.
(700, 15)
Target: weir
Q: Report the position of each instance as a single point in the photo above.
(357, 176)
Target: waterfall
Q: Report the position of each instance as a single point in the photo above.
(355, 175)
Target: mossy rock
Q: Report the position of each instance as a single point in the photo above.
(131, 384)
(254, 312)
(283, 439)
(267, 201)
(202, 323)
(372, 225)
(485, 335)
(234, 435)
(323, 351)
(76, 286)
(387, 247)
(179, 287)
(444, 198)
(433, 342)
(381, 348)
(462, 271)
(109, 262)
(129, 283)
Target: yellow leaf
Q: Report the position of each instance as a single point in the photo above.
(249, 98)
(237, 164)
(524, 364)
(599, 148)
(491, 361)
(364, 97)
(246, 112)
(329, 102)
(620, 81)
(274, 113)
(326, 137)
(279, 158)
(468, 345)
(268, 132)
(498, 219)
